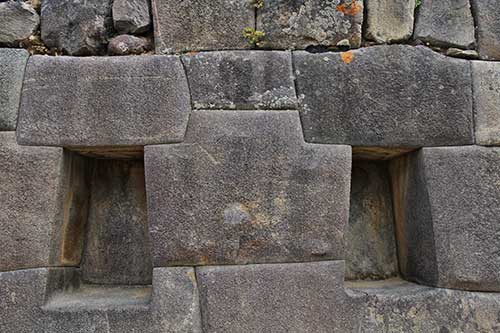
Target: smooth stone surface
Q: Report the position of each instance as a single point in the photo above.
(486, 80)
(389, 21)
(195, 25)
(303, 23)
(385, 96)
(131, 16)
(12, 64)
(448, 206)
(127, 44)
(114, 101)
(18, 21)
(487, 13)
(241, 80)
(245, 188)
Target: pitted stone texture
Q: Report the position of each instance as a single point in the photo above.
(245, 188)
(12, 64)
(18, 21)
(76, 27)
(447, 23)
(486, 80)
(389, 21)
(387, 96)
(305, 297)
(193, 25)
(131, 16)
(448, 207)
(116, 101)
(128, 44)
(487, 14)
(303, 23)
(241, 80)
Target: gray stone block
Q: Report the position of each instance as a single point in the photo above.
(12, 64)
(305, 297)
(195, 25)
(386, 96)
(447, 203)
(389, 21)
(18, 21)
(487, 14)
(115, 101)
(447, 23)
(128, 44)
(245, 188)
(131, 16)
(241, 80)
(303, 23)
(486, 80)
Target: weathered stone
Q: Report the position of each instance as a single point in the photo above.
(245, 188)
(115, 101)
(127, 44)
(387, 96)
(201, 24)
(370, 242)
(304, 297)
(487, 14)
(445, 23)
(12, 64)
(448, 206)
(459, 53)
(241, 80)
(389, 21)
(486, 80)
(18, 21)
(303, 23)
(131, 16)
(76, 27)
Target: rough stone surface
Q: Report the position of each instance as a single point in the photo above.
(18, 21)
(245, 188)
(76, 27)
(241, 80)
(486, 80)
(193, 25)
(127, 44)
(131, 16)
(305, 297)
(487, 14)
(448, 204)
(445, 23)
(399, 96)
(389, 21)
(12, 64)
(303, 23)
(115, 101)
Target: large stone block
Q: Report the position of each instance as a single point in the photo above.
(389, 21)
(193, 25)
(487, 13)
(245, 188)
(304, 297)
(486, 80)
(116, 101)
(241, 80)
(388, 96)
(447, 203)
(12, 64)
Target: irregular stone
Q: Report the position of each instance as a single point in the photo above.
(127, 44)
(445, 23)
(385, 96)
(131, 16)
(12, 64)
(245, 188)
(304, 297)
(306, 23)
(76, 27)
(201, 25)
(448, 202)
(389, 21)
(114, 101)
(459, 53)
(486, 77)
(487, 14)
(18, 21)
(241, 80)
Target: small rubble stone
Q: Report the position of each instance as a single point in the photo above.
(128, 44)
(445, 23)
(459, 53)
(487, 13)
(18, 21)
(389, 21)
(131, 16)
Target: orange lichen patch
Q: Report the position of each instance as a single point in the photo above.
(191, 53)
(351, 8)
(347, 57)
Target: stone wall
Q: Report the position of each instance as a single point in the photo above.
(249, 166)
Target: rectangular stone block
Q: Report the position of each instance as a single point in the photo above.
(245, 188)
(487, 14)
(385, 96)
(115, 101)
(389, 21)
(305, 297)
(241, 80)
(447, 203)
